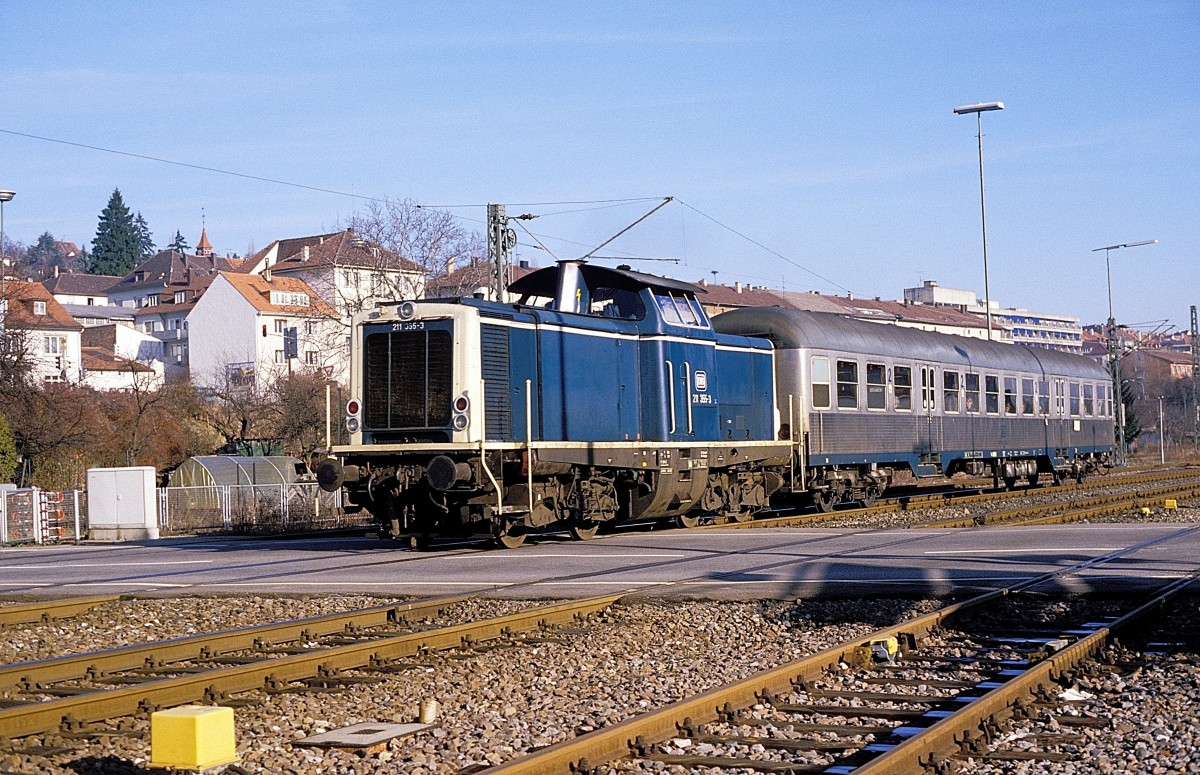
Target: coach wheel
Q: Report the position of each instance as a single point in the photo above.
(869, 497)
(1010, 482)
(584, 531)
(510, 535)
(687, 520)
(1079, 477)
(744, 515)
(825, 500)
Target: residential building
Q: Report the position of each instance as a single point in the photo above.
(81, 289)
(125, 342)
(166, 318)
(102, 370)
(473, 279)
(240, 328)
(348, 272)
(1051, 331)
(34, 323)
(144, 285)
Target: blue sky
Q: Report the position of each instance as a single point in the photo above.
(822, 131)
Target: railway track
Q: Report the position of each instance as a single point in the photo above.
(1188, 479)
(70, 693)
(905, 699)
(45, 610)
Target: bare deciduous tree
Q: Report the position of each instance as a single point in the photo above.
(432, 239)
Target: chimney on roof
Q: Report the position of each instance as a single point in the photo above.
(523, 263)
(738, 286)
(266, 275)
(704, 282)
(451, 264)
(304, 253)
(56, 271)
(930, 283)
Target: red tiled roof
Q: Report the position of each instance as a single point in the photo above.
(99, 359)
(257, 290)
(466, 279)
(81, 284)
(21, 297)
(341, 248)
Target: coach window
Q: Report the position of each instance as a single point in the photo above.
(847, 384)
(1106, 401)
(876, 386)
(1089, 408)
(991, 394)
(1026, 396)
(1043, 397)
(1074, 393)
(820, 382)
(902, 377)
(1010, 395)
(950, 385)
(972, 385)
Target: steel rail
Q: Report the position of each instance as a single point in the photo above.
(68, 712)
(581, 753)
(45, 610)
(946, 736)
(94, 664)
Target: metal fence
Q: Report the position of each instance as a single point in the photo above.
(34, 516)
(252, 508)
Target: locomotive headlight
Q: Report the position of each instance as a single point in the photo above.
(407, 310)
(460, 422)
(462, 404)
(352, 407)
(352, 424)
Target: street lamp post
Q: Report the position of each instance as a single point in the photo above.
(979, 109)
(5, 196)
(1114, 368)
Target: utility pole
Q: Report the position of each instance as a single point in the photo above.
(1195, 382)
(501, 241)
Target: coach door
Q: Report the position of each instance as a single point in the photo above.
(1060, 422)
(928, 425)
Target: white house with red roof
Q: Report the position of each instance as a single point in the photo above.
(32, 319)
(239, 327)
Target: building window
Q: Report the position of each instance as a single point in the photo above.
(310, 327)
(950, 391)
(151, 300)
(820, 382)
(52, 345)
(876, 386)
(39, 308)
(847, 384)
(281, 325)
(180, 297)
(311, 357)
(903, 388)
(279, 357)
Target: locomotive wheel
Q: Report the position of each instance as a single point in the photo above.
(1010, 482)
(510, 536)
(687, 520)
(825, 501)
(1033, 480)
(584, 531)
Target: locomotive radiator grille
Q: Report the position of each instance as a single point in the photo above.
(497, 381)
(407, 379)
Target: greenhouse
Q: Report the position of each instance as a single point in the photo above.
(217, 470)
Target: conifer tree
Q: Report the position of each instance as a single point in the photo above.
(179, 243)
(116, 247)
(146, 246)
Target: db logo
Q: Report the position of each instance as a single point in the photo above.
(701, 381)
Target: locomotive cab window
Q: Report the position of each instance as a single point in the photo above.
(876, 386)
(1026, 396)
(617, 303)
(991, 394)
(902, 388)
(972, 390)
(1010, 395)
(950, 391)
(820, 382)
(681, 310)
(847, 384)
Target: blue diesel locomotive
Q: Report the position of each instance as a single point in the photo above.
(602, 395)
(606, 395)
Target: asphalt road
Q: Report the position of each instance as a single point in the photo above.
(740, 564)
